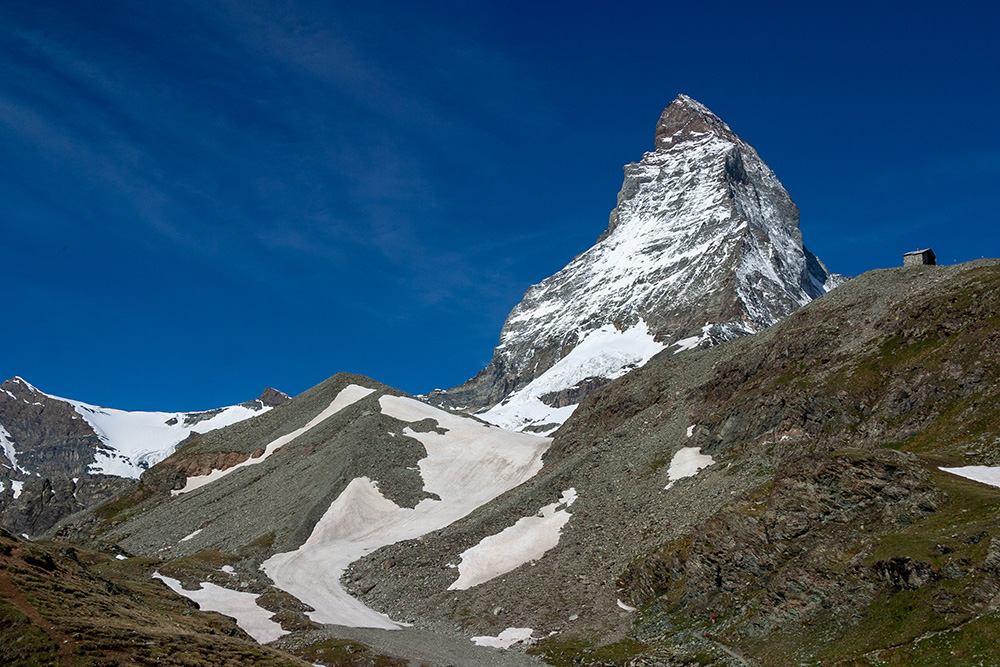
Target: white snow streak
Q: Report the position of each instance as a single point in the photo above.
(624, 606)
(7, 446)
(348, 395)
(252, 619)
(16, 487)
(505, 639)
(467, 466)
(525, 541)
(191, 536)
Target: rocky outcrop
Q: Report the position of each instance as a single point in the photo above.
(791, 555)
(45, 435)
(42, 501)
(703, 233)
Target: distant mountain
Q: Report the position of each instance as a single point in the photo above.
(66, 455)
(703, 246)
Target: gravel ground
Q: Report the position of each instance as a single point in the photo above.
(426, 647)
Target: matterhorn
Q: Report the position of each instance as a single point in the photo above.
(703, 246)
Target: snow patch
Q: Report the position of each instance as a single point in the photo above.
(624, 606)
(252, 619)
(228, 569)
(350, 394)
(983, 474)
(466, 466)
(690, 430)
(505, 639)
(686, 463)
(16, 487)
(120, 557)
(602, 353)
(691, 342)
(7, 446)
(525, 541)
(191, 536)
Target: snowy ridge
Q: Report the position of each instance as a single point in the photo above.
(135, 440)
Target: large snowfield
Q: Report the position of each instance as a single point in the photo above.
(466, 466)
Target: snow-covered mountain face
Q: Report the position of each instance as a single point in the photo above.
(703, 246)
(44, 435)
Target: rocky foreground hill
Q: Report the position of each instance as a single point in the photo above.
(799, 496)
(822, 530)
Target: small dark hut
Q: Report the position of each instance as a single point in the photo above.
(919, 258)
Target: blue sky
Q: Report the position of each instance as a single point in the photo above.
(202, 199)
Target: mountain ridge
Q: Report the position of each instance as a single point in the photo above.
(59, 456)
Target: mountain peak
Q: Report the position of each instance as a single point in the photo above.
(703, 246)
(684, 117)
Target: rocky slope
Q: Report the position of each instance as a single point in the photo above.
(819, 528)
(775, 500)
(59, 456)
(703, 246)
(63, 605)
(288, 499)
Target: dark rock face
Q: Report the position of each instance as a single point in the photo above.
(49, 436)
(43, 501)
(703, 232)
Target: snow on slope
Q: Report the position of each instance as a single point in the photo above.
(982, 474)
(7, 449)
(348, 395)
(686, 463)
(466, 466)
(527, 540)
(240, 605)
(137, 440)
(605, 352)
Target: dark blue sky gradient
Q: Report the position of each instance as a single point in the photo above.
(201, 199)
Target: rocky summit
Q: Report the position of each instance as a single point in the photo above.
(703, 246)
